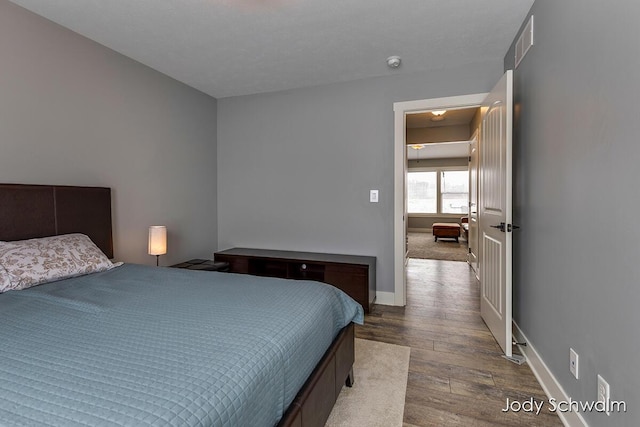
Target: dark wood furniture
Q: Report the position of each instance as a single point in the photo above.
(353, 274)
(313, 404)
(445, 230)
(203, 265)
(31, 211)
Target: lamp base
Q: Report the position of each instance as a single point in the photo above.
(157, 260)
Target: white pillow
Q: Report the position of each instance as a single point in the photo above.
(36, 261)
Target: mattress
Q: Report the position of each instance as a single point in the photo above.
(148, 346)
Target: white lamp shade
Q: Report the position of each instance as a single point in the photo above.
(157, 240)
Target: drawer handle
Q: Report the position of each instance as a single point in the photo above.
(303, 266)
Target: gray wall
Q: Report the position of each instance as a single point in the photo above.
(74, 112)
(438, 134)
(295, 167)
(475, 122)
(576, 151)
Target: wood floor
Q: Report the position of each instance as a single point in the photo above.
(457, 376)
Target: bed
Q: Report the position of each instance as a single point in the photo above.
(146, 346)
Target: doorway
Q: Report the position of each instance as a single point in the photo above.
(494, 201)
(438, 184)
(401, 111)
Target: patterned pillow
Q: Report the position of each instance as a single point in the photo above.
(5, 283)
(35, 261)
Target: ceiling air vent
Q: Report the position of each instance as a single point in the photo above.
(525, 41)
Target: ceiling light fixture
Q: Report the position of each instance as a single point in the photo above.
(394, 61)
(417, 146)
(438, 115)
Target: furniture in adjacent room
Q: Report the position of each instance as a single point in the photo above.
(464, 223)
(446, 230)
(353, 274)
(203, 265)
(175, 313)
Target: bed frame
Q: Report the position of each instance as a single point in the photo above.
(30, 211)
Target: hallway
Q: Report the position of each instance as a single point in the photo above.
(457, 376)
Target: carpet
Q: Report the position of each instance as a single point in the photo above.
(377, 396)
(422, 245)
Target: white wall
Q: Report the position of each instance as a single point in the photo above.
(295, 167)
(576, 156)
(73, 112)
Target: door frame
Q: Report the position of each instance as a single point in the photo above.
(401, 109)
(471, 243)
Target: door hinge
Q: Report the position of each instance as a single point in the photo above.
(469, 159)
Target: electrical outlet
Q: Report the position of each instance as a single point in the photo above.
(573, 362)
(604, 393)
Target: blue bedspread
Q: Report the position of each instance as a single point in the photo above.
(147, 346)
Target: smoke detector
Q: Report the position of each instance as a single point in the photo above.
(393, 61)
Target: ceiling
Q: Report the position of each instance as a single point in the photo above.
(439, 150)
(238, 47)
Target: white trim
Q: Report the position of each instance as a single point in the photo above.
(446, 215)
(399, 152)
(385, 298)
(438, 168)
(545, 377)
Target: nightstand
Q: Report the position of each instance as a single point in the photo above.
(203, 264)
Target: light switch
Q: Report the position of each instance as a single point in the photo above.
(373, 196)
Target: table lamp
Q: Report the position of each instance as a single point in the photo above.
(157, 241)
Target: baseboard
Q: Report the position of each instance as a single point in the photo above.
(549, 383)
(420, 230)
(385, 298)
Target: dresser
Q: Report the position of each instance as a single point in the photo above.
(353, 274)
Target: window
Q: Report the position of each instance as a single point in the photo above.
(454, 192)
(422, 192)
(438, 191)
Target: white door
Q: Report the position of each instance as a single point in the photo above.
(473, 203)
(495, 211)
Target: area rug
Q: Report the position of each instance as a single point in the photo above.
(422, 245)
(377, 396)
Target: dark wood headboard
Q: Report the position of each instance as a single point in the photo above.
(29, 211)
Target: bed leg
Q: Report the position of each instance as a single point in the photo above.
(350, 379)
